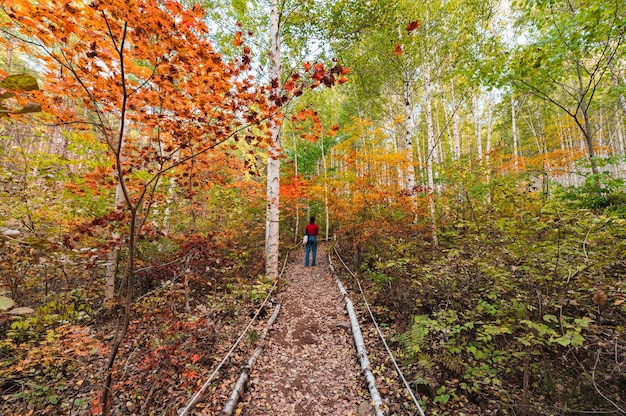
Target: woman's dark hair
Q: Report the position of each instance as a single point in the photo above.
(312, 220)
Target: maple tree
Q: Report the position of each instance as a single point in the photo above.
(156, 91)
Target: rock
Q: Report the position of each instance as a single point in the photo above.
(10, 233)
(24, 310)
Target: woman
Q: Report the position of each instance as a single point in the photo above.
(311, 230)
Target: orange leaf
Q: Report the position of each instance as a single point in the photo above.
(238, 41)
(398, 50)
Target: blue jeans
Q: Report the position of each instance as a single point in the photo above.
(310, 245)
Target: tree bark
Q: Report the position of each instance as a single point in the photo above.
(325, 185)
(113, 256)
(430, 153)
(477, 129)
(296, 230)
(489, 127)
(455, 126)
(622, 98)
(588, 129)
(273, 160)
(409, 130)
(514, 133)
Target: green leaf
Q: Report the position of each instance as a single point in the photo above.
(442, 399)
(550, 318)
(20, 82)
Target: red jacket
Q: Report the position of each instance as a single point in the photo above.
(312, 229)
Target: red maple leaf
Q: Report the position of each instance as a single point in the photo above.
(414, 25)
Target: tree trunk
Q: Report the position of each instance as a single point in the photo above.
(295, 157)
(409, 130)
(122, 327)
(588, 129)
(113, 256)
(446, 126)
(622, 98)
(455, 127)
(325, 184)
(273, 160)
(514, 133)
(621, 145)
(622, 101)
(430, 151)
(489, 127)
(477, 129)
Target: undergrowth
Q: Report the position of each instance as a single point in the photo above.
(521, 309)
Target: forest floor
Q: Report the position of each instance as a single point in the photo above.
(309, 366)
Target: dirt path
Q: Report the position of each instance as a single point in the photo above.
(309, 365)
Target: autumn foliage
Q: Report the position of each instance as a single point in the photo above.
(133, 145)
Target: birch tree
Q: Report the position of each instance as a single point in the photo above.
(273, 160)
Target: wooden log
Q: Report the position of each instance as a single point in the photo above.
(360, 347)
(240, 386)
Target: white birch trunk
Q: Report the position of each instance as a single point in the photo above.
(408, 137)
(620, 137)
(431, 150)
(113, 256)
(622, 98)
(455, 127)
(489, 127)
(167, 213)
(477, 129)
(295, 157)
(447, 125)
(273, 160)
(514, 133)
(325, 185)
